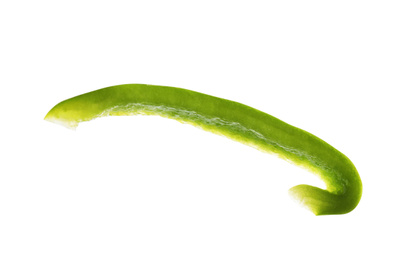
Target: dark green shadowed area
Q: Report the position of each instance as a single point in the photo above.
(233, 120)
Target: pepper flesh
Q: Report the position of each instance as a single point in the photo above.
(233, 120)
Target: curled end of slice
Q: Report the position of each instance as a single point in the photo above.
(323, 202)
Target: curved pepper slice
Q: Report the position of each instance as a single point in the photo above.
(233, 120)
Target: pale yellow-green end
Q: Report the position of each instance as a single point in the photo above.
(61, 121)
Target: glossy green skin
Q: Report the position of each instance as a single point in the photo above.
(236, 121)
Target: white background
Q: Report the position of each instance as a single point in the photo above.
(152, 188)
